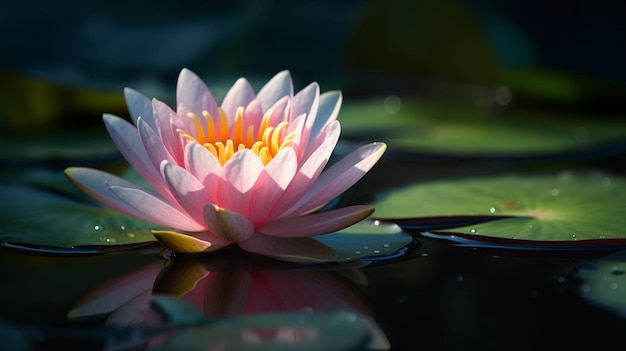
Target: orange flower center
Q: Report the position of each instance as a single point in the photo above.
(223, 141)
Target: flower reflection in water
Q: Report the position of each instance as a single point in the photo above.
(225, 288)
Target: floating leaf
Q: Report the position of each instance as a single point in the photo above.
(473, 131)
(366, 241)
(43, 221)
(290, 331)
(604, 283)
(576, 208)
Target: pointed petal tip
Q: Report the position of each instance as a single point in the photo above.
(183, 243)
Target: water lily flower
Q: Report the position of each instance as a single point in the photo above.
(245, 172)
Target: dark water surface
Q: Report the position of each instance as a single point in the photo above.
(437, 296)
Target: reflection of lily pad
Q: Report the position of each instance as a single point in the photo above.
(474, 131)
(36, 217)
(571, 207)
(302, 331)
(604, 283)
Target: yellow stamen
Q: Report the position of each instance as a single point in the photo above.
(264, 123)
(223, 125)
(238, 126)
(250, 136)
(199, 127)
(223, 141)
(210, 126)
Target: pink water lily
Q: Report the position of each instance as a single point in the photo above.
(246, 172)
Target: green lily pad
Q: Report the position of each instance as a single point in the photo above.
(604, 283)
(473, 131)
(363, 242)
(34, 218)
(369, 241)
(568, 208)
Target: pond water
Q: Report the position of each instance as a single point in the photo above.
(436, 295)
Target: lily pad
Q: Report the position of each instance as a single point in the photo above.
(369, 241)
(417, 128)
(42, 221)
(365, 241)
(569, 208)
(286, 331)
(604, 283)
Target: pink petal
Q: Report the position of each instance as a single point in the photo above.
(253, 115)
(139, 106)
(114, 293)
(194, 94)
(329, 106)
(96, 184)
(204, 166)
(153, 145)
(238, 177)
(164, 118)
(280, 111)
(156, 210)
(289, 249)
(188, 191)
(225, 294)
(279, 86)
(317, 290)
(317, 223)
(339, 177)
(239, 95)
(126, 138)
(271, 184)
(306, 101)
(309, 171)
(229, 225)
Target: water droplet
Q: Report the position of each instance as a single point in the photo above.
(130, 235)
(473, 231)
(613, 286)
(348, 259)
(602, 237)
(513, 237)
(560, 279)
(365, 247)
(386, 245)
(123, 227)
(555, 192)
(98, 227)
(574, 237)
(357, 252)
(376, 222)
(376, 251)
(492, 210)
(424, 254)
(392, 104)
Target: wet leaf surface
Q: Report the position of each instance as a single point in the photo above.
(45, 221)
(570, 208)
